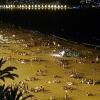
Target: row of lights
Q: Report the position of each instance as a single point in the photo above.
(62, 7)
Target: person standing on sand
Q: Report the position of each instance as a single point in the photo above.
(97, 59)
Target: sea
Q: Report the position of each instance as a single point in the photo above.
(79, 25)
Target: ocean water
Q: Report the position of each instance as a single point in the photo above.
(80, 25)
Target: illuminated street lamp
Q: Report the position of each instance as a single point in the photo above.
(49, 6)
(55, 7)
(65, 7)
(46, 6)
(11, 6)
(29, 6)
(52, 6)
(62, 7)
(7, 6)
(58, 7)
(32, 6)
(35, 6)
(42, 6)
(24, 6)
(20, 6)
(38, 6)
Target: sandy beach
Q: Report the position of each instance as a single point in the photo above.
(75, 73)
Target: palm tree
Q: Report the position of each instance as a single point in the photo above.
(15, 94)
(12, 93)
(7, 72)
(3, 91)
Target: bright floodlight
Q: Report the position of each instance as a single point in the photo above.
(60, 54)
(36, 6)
(65, 7)
(39, 6)
(29, 6)
(45, 6)
(51, 6)
(48, 6)
(55, 6)
(58, 7)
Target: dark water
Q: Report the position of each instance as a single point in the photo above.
(78, 25)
